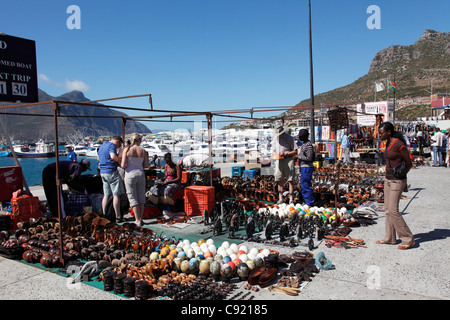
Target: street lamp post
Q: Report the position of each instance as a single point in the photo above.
(312, 134)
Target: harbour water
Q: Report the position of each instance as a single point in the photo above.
(32, 167)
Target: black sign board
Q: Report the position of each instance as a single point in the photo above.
(338, 118)
(18, 72)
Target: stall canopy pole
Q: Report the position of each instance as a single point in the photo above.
(14, 155)
(56, 109)
(209, 118)
(123, 122)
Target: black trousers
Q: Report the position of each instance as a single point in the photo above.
(50, 190)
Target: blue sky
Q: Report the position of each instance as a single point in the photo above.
(197, 55)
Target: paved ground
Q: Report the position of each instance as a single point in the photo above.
(378, 272)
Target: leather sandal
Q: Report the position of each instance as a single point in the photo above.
(406, 246)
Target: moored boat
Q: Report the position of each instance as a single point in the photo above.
(42, 150)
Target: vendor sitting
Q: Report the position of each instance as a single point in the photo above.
(163, 190)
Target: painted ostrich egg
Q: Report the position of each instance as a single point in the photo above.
(204, 267)
(258, 261)
(242, 270)
(250, 264)
(215, 268)
(184, 267)
(226, 270)
(193, 265)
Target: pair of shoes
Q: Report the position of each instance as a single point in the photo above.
(383, 242)
(406, 246)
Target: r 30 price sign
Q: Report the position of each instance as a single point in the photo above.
(18, 72)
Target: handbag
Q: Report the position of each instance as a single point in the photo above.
(400, 171)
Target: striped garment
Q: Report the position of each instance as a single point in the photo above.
(306, 154)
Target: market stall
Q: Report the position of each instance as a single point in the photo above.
(142, 263)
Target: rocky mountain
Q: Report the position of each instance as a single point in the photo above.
(32, 128)
(416, 68)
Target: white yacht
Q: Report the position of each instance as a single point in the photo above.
(154, 148)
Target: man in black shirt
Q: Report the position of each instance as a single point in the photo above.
(306, 158)
(69, 173)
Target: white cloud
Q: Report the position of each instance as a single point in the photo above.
(77, 85)
(70, 85)
(43, 77)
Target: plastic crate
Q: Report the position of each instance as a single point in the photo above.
(250, 174)
(237, 171)
(197, 199)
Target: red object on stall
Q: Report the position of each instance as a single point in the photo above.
(11, 179)
(24, 208)
(197, 199)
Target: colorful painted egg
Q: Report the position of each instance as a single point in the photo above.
(184, 267)
(204, 267)
(226, 271)
(177, 264)
(250, 264)
(215, 268)
(208, 254)
(200, 256)
(164, 251)
(242, 270)
(226, 259)
(237, 261)
(201, 241)
(182, 255)
(243, 248)
(240, 252)
(232, 265)
(193, 265)
(258, 261)
(218, 257)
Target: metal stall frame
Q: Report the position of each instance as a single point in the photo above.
(56, 109)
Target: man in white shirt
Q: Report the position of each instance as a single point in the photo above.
(284, 149)
(438, 141)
